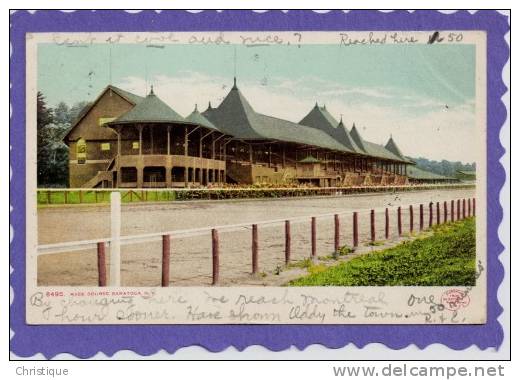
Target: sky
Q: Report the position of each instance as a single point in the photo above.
(424, 95)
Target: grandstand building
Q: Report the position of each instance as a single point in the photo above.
(127, 141)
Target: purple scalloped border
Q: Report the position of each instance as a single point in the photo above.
(86, 341)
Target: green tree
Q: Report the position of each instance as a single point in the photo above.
(52, 153)
(62, 114)
(78, 110)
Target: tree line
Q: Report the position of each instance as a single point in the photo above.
(52, 153)
(443, 167)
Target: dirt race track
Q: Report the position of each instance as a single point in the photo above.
(191, 256)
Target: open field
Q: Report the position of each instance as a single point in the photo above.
(191, 256)
(444, 257)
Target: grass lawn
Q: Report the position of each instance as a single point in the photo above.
(91, 196)
(444, 258)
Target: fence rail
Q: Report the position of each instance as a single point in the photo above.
(468, 210)
(100, 196)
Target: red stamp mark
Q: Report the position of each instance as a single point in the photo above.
(454, 299)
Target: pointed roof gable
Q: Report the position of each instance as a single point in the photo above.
(320, 118)
(357, 138)
(392, 147)
(132, 99)
(199, 119)
(236, 117)
(150, 110)
(343, 136)
(372, 149)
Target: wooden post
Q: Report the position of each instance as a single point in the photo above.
(421, 217)
(336, 233)
(102, 269)
(411, 218)
(48, 197)
(469, 207)
(387, 224)
(445, 211)
(313, 237)
(399, 222)
(168, 140)
(474, 208)
(215, 254)
(464, 209)
(458, 209)
(254, 248)
(355, 229)
(438, 207)
(287, 242)
(165, 279)
(430, 221)
(80, 196)
(115, 243)
(65, 196)
(372, 226)
(452, 213)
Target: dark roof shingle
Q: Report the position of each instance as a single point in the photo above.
(150, 110)
(199, 119)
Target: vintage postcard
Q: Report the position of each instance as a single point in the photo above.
(344, 176)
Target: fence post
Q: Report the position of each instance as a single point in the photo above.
(215, 256)
(469, 207)
(445, 211)
(387, 224)
(115, 234)
(411, 218)
(254, 248)
(399, 222)
(80, 196)
(464, 208)
(452, 211)
(438, 208)
(48, 197)
(165, 278)
(355, 229)
(65, 197)
(430, 219)
(458, 209)
(372, 226)
(474, 208)
(421, 217)
(101, 263)
(313, 237)
(287, 242)
(336, 233)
